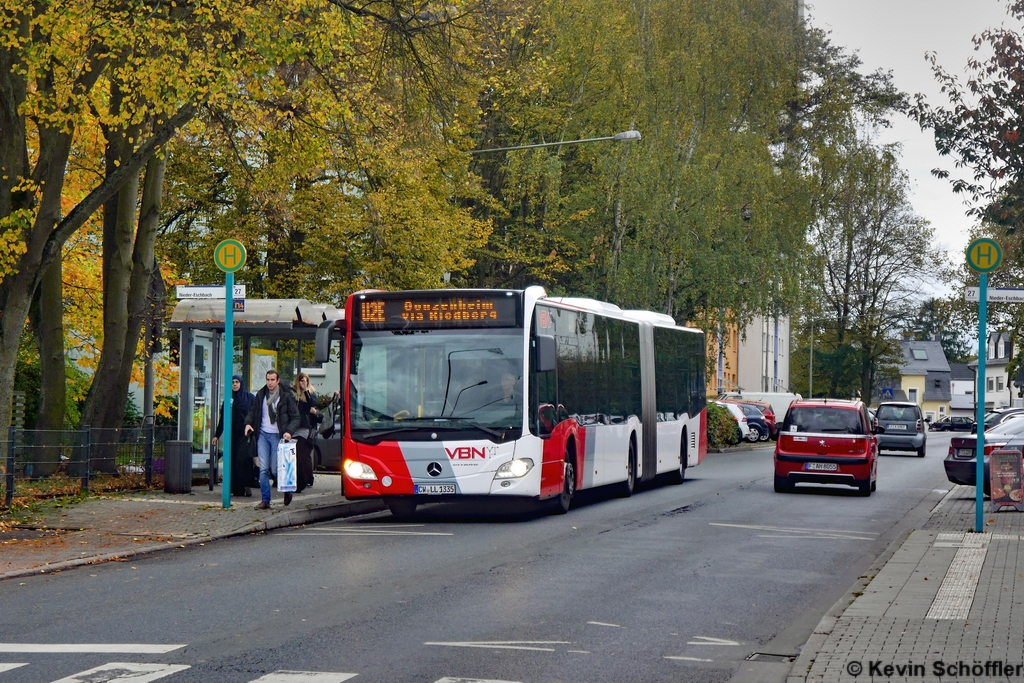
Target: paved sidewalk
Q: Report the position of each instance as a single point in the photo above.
(947, 605)
(118, 526)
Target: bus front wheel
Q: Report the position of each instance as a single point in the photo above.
(564, 499)
(400, 508)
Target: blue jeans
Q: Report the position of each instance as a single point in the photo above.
(266, 449)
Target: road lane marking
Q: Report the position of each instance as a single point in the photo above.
(124, 671)
(841, 534)
(601, 623)
(688, 659)
(358, 532)
(89, 648)
(304, 677)
(579, 652)
(507, 644)
(820, 537)
(795, 529)
(5, 666)
(707, 640)
(471, 680)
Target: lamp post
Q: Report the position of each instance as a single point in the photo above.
(810, 372)
(624, 136)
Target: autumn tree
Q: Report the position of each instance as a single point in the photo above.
(140, 71)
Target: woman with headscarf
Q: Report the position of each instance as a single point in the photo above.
(241, 459)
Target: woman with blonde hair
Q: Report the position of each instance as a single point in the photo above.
(309, 418)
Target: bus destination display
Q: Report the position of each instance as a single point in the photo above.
(436, 312)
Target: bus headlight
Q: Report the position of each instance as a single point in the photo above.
(514, 469)
(360, 471)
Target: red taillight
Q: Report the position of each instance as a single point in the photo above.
(950, 453)
(990, 447)
(919, 427)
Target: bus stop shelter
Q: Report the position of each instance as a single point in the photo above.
(271, 334)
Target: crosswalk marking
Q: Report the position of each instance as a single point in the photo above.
(124, 671)
(304, 677)
(4, 666)
(89, 648)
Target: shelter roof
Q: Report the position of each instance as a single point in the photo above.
(262, 317)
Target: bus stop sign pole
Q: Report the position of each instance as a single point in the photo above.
(229, 257)
(983, 256)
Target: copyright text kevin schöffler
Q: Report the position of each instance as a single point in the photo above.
(880, 669)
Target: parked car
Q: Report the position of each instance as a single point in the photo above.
(961, 461)
(740, 418)
(997, 417)
(900, 427)
(759, 429)
(953, 423)
(826, 441)
(766, 410)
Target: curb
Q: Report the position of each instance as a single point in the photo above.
(290, 518)
(743, 447)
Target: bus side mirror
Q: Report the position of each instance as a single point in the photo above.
(322, 343)
(547, 353)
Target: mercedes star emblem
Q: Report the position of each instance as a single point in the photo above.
(434, 469)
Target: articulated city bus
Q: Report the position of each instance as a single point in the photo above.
(456, 393)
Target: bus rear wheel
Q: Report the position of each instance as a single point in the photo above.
(679, 476)
(626, 487)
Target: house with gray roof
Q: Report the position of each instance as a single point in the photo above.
(924, 379)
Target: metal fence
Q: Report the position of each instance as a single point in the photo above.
(45, 463)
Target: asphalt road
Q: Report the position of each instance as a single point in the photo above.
(677, 583)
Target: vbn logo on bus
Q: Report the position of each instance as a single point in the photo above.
(466, 453)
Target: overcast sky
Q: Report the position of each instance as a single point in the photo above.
(895, 35)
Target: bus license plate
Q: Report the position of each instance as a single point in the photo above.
(822, 466)
(434, 489)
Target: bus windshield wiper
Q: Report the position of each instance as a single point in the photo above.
(373, 434)
(449, 418)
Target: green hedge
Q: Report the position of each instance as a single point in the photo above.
(722, 428)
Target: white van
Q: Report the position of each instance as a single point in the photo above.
(778, 400)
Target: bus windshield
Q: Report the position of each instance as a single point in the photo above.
(423, 381)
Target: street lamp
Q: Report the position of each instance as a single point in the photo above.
(624, 136)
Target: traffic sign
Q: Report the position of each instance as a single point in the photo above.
(984, 255)
(1010, 295)
(229, 255)
(208, 291)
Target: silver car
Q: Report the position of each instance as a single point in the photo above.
(901, 427)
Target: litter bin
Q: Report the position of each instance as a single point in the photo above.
(178, 467)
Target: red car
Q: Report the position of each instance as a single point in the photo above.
(826, 441)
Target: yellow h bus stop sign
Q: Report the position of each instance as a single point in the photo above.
(984, 255)
(229, 255)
